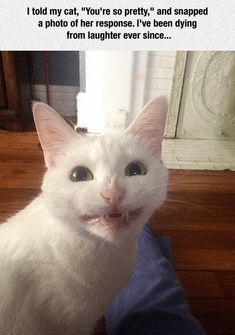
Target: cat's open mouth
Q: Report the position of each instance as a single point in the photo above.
(113, 219)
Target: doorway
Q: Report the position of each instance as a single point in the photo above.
(200, 131)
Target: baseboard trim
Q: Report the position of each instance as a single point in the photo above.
(199, 154)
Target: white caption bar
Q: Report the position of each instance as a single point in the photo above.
(123, 24)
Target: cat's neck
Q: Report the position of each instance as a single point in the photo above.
(75, 246)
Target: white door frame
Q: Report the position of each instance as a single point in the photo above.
(176, 93)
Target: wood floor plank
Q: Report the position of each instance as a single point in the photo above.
(172, 220)
(210, 175)
(200, 239)
(21, 174)
(200, 182)
(23, 155)
(18, 140)
(204, 259)
(201, 284)
(227, 280)
(197, 200)
(216, 315)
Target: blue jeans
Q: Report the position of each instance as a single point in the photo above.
(153, 302)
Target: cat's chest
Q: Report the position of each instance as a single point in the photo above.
(87, 281)
(81, 266)
(96, 265)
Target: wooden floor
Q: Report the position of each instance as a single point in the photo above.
(199, 216)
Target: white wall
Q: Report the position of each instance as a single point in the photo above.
(119, 84)
(108, 91)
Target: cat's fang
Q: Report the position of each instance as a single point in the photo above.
(113, 219)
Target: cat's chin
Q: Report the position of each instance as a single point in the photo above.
(111, 221)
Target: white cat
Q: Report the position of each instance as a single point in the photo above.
(67, 254)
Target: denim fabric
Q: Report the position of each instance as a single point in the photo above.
(153, 302)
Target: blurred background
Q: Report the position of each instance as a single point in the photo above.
(103, 91)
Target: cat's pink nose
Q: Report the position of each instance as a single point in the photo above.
(113, 194)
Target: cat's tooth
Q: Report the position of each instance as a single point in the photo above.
(104, 219)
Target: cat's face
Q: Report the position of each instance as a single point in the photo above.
(106, 185)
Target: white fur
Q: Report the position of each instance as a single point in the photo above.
(57, 275)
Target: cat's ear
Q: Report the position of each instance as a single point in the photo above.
(150, 124)
(53, 132)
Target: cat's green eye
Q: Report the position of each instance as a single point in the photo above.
(81, 173)
(135, 169)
